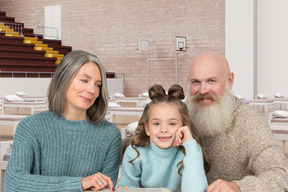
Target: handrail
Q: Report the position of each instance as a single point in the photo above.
(48, 32)
(11, 28)
(13, 73)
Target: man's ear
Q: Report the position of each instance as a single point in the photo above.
(147, 129)
(231, 80)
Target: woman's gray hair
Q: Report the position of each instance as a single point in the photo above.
(62, 78)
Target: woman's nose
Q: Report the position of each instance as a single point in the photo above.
(91, 88)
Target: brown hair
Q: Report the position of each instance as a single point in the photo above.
(158, 95)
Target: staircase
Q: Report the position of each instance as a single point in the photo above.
(24, 55)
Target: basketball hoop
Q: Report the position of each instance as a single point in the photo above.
(180, 43)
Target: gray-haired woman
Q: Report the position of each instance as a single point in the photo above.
(70, 147)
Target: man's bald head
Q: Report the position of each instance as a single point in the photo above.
(213, 59)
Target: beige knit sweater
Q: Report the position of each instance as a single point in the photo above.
(247, 154)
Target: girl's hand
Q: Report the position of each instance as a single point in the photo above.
(96, 182)
(182, 134)
(125, 187)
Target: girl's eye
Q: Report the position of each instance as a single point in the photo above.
(156, 124)
(172, 123)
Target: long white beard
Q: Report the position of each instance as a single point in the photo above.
(213, 119)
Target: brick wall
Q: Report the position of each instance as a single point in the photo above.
(111, 30)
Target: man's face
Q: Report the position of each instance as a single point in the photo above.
(207, 80)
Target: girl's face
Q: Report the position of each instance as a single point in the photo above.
(84, 89)
(164, 121)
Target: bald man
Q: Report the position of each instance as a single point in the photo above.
(244, 153)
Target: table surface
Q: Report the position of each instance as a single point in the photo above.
(137, 190)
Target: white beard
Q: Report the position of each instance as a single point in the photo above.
(214, 119)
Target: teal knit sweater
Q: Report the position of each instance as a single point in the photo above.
(157, 168)
(51, 153)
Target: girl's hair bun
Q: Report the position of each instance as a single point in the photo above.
(176, 91)
(156, 91)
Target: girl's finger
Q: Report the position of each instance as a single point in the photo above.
(176, 140)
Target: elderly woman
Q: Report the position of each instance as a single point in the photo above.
(70, 147)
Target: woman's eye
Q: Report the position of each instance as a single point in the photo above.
(84, 80)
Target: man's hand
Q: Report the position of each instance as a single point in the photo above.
(223, 186)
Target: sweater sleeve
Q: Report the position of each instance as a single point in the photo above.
(17, 175)
(112, 158)
(266, 160)
(193, 174)
(130, 173)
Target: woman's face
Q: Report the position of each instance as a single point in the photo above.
(164, 121)
(84, 89)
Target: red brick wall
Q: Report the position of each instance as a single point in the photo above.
(111, 30)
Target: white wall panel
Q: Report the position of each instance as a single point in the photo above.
(240, 44)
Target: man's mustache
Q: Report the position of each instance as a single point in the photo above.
(199, 97)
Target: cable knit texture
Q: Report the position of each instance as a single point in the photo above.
(157, 168)
(248, 154)
(51, 153)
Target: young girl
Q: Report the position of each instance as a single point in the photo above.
(165, 151)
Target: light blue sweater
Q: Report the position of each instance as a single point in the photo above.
(51, 153)
(156, 167)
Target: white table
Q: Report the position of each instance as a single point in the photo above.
(139, 101)
(113, 111)
(34, 98)
(279, 127)
(34, 106)
(5, 146)
(282, 101)
(11, 120)
(266, 103)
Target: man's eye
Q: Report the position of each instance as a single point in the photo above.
(195, 82)
(212, 81)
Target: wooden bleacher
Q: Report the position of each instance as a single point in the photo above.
(22, 53)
